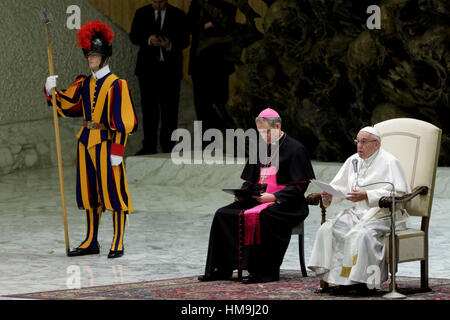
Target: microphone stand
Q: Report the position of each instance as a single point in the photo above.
(394, 294)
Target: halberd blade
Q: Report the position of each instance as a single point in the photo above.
(45, 15)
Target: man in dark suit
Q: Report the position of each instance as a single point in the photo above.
(209, 62)
(161, 32)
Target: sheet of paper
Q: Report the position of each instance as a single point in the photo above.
(328, 189)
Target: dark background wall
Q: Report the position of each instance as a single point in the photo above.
(329, 75)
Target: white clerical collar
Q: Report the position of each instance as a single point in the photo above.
(101, 73)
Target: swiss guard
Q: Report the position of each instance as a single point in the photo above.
(104, 102)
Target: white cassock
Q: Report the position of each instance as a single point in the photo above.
(349, 248)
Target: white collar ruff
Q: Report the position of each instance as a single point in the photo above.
(101, 73)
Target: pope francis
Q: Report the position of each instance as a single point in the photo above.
(350, 247)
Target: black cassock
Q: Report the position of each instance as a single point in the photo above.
(226, 250)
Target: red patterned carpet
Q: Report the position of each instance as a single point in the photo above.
(292, 286)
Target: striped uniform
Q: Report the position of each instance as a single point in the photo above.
(100, 185)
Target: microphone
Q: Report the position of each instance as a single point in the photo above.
(355, 165)
(355, 169)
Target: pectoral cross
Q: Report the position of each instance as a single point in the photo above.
(263, 177)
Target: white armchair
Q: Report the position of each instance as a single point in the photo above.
(416, 145)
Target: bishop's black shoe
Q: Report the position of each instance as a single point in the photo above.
(254, 278)
(216, 275)
(115, 254)
(83, 251)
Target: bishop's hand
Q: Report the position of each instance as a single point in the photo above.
(265, 197)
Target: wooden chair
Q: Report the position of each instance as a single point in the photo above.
(313, 199)
(416, 145)
(300, 230)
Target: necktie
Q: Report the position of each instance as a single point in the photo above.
(158, 21)
(158, 28)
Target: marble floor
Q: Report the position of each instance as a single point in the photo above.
(167, 235)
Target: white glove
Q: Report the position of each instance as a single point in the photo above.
(50, 84)
(116, 160)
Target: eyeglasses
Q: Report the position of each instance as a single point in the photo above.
(363, 141)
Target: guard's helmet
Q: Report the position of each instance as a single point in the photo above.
(96, 36)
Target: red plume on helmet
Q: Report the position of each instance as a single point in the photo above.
(95, 36)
